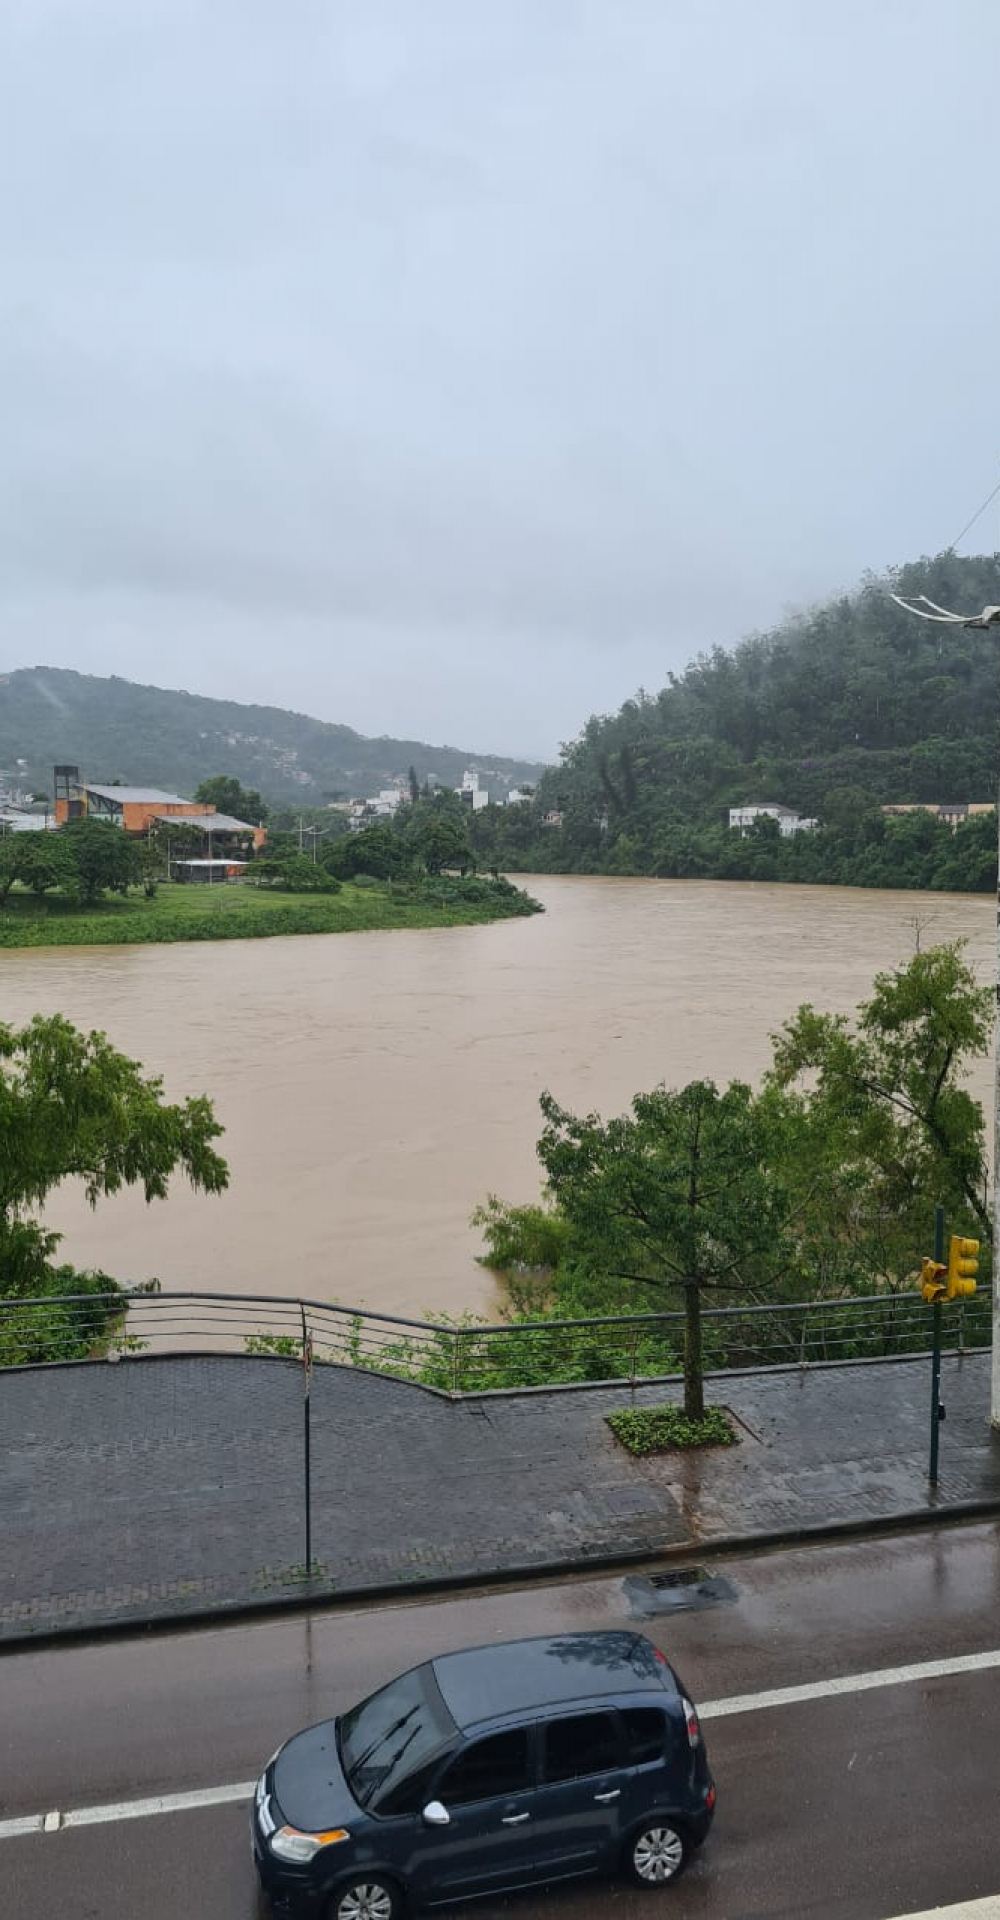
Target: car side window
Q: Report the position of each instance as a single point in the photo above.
(645, 1734)
(487, 1769)
(581, 1744)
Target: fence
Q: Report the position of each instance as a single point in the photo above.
(469, 1357)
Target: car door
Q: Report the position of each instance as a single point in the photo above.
(486, 1792)
(582, 1783)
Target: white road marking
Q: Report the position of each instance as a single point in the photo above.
(849, 1683)
(161, 1803)
(988, 1909)
(844, 1684)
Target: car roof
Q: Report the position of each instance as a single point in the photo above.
(485, 1683)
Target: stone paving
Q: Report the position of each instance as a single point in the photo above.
(158, 1488)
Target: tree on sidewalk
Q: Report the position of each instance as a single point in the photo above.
(889, 1131)
(72, 1106)
(682, 1196)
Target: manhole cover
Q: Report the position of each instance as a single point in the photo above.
(682, 1587)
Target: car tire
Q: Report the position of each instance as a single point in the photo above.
(657, 1852)
(365, 1896)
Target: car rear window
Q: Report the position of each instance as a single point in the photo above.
(645, 1734)
(581, 1744)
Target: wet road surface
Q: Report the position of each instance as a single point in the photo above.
(856, 1806)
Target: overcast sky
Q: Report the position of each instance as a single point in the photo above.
(451, 368)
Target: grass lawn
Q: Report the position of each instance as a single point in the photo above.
(227, 912)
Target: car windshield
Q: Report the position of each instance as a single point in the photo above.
(391, 1734)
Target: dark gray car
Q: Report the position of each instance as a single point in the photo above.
(485, 1771)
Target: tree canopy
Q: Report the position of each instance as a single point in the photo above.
(836, 713)
(73, 1107)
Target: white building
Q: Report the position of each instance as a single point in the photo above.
(789, 822)
(471, 793)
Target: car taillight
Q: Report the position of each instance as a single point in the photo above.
(710, 1798)
(661, 1657)
(691, 1721)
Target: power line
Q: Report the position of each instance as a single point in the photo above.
(988, 502)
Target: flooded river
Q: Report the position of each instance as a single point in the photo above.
(374, 1087)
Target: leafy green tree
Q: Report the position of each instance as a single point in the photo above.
(46, 861)
(10, 867)
(438, 842)
(72, 1106)
(225, 793)
(375, 850)
(105, 858)
(890, 1130)
(684, 1194)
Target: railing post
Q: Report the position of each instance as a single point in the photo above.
(307, 1437)
(455, 1336)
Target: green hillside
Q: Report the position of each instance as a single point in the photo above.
(115, 730)
(835, 713)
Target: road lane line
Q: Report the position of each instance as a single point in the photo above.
(988, 1909)
(843, 1685)
(849, 1683)
(160, 1803)
(12, 1829)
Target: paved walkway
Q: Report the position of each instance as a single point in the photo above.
(163, 1487)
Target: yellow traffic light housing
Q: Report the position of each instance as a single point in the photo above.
(933, 1280)
(963, 1266)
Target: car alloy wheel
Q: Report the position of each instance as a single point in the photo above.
(364, 1900)
(658, 1854)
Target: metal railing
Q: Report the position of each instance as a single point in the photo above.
(473, 1357)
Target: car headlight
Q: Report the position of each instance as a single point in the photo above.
(290, 1844)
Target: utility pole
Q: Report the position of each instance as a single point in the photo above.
(984, 622)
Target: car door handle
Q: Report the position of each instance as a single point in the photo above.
(615, 1795)
(514, 1819)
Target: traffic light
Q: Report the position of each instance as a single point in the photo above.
(932, 1280)
(963, 1266)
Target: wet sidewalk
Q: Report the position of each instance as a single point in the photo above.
(154, 1489)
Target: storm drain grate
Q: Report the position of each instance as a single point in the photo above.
(681, 1588)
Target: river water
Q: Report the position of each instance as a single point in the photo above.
(375, 1086)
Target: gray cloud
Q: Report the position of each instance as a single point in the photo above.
(455, 368)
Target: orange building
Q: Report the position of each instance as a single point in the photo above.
(136, 809)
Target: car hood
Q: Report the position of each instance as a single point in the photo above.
(309, 1783)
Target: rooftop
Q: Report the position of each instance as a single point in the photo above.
(484, 1683)
(152, 796)
(207, 822)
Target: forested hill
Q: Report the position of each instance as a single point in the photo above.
(115, 730)
(835, 713)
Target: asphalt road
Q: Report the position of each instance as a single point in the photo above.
(858, 1803)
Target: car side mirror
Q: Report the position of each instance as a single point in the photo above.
(436, 1815)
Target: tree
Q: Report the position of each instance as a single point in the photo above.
(440, 842)
(682, 1194)
(104, 857)
(224, 792)
(893, 1132)
(71, 1106)
(46, 861)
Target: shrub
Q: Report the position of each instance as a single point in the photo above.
(644, 1430)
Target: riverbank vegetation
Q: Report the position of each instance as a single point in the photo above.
(835, 714)
(241, 912)
(73, 1107)
(821, 1184)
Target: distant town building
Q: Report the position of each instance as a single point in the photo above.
(952, 812)
(743, 819)
(470, 792)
